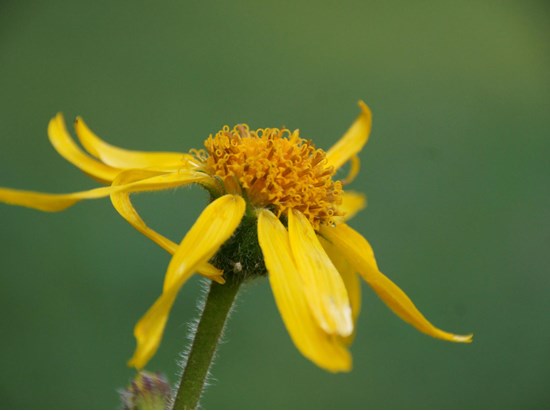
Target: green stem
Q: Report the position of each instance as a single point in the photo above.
(209, 331)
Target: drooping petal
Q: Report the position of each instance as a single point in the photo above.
(353, 140)
(324, 288)
(359, 252)
(121, 202)
(124, 159)
(325, 350)
(351, 281)
(352, 203)
(215, 225)
(59, 202)
(150, 328)
(63, 143)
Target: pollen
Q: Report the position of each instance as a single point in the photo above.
(275, 169)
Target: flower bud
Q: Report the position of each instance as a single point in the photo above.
(148, 391)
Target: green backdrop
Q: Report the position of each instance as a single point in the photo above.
(456, 173)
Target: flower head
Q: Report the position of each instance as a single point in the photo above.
(274, 169)
(277, 209)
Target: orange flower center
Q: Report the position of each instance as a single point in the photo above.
(276, 169)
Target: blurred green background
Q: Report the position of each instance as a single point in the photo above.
(456, 172)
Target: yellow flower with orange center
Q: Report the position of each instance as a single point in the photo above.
(276, 210)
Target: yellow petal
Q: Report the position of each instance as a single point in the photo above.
(351, 281)
(353, 171)
(209, 271)
(121, 202)
(150, 328)
(353, 140)
(214, 226)
(324, 288)
(359, 253)
(58, 202)
(352, 203)
(121, 158)
(67, 148)
(326, 351)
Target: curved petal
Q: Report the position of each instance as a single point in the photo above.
(352, 203)
(326, 351)
(63, 143)
(121, 202)
(59, 202)
(215, 225)
(359, 252)
(351, 281)
(353, 171)
(150, 328)
(325, 290)
(353, 140)
(121, 158)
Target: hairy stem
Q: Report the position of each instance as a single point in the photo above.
(207, 337)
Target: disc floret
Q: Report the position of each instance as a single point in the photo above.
(275, 169)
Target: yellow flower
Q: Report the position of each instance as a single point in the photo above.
(269, 185)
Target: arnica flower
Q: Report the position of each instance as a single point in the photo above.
(276, 209)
